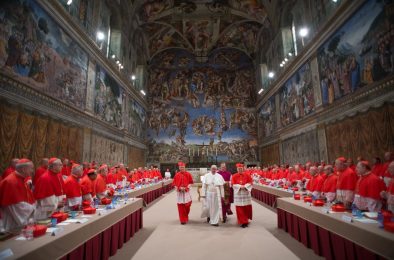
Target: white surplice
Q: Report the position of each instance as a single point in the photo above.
(17, 215)
(213, 191)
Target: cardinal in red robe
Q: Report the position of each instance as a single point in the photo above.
(49, 190)
(329, 189)
(347, 180)
(242, 185)
(315, 184)
(182, 182)
(41, 170)
(368, 189)
(122, 173)
(17, 203)
(378, 167)
(86, 168)
(66, 169)
(101, 182)
(389, 193)
(11, 168)
(72, 188)
(389, 157)
(88, 185)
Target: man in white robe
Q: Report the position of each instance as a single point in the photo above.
(213, 193)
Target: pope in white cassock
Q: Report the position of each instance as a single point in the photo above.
(213, 193)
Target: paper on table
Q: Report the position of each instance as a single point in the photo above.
(82, 220)
(366, 220)
(63, 224)
(51, 229)
(371, 214)
(86, 216)
(6, 253)
(71, 221)
(22, 238)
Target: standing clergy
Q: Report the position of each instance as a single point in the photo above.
(182, 182)
(346, 184)
(368, 188)
(213, 192)
(72, 188)
(101, 182)
(49, 190)
(228, 192)
(17, 202)
(242, 184)
(88, 185)
(11, 168)
(41, 170)
(329, 190)
(389, 193)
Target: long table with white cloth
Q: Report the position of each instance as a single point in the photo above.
(334, 235)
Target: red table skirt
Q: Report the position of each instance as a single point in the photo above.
(321, 241)
(106, 243)
(264, 197)
(167, 188)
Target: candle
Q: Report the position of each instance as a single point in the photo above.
(216, 151)
(189, 151)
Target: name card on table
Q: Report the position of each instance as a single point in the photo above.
(348, 219)
(6, 253)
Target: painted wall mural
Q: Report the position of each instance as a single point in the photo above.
(359, 53)
(202, 110)
(267, 118)
(136, 119)
(36, 51)
(297, 96)
(108, 98)
(242, 36)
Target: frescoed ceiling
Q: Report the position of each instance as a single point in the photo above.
(201, 26)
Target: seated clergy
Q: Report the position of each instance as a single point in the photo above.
(16, 199)
(368, 188)
(72, 188)
(329, 190)
(88, 183)
(49, 190)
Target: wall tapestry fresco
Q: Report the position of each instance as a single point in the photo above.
(202, 111)
(106, 151)
(359, 53)
(297, 96)
(267, 118)
(108, 98)
(36, 51)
